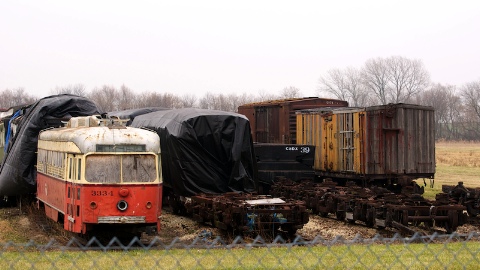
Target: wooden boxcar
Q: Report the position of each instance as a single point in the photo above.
(390, 142)
(274, 121)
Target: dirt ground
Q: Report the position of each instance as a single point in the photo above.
(22, 226)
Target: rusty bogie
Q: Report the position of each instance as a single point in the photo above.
(375, 207)
(248, 213)
(459, 194)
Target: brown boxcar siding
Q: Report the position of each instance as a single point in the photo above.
(400, 140)
(275, 121)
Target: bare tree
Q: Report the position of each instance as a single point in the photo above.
(171, 101)
(234, 101)
(126, 98)
(407, 78)
(15, 97)
(149, 99)
(154, 99)
(106, 98)
(395, 79)
(375, 78)
(264, 95)
(345, 85)
(245, 99)
(188, 101)
(335, 83)
(207, 101)
(470, 93)
(290, 92)
(448, 109)
(215, 102)
(73, 89)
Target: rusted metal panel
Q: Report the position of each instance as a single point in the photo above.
(275, 121)
(283, 161)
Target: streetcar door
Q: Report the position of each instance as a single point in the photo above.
(68, 223)
(73, 195)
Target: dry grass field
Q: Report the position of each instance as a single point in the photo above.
(456, 161)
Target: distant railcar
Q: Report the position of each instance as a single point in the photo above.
(289, 161)
(392, 142)
(275, 121)
(96, 172)
(8, 127)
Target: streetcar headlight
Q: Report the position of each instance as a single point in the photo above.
(148, 205)
(122, 205)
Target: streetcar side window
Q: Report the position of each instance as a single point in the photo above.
(79, 169)
(70, 171)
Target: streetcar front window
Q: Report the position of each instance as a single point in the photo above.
(120, 168)
(138, 168)
(103, 168)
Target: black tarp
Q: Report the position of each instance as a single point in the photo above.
(132, 113)
(203, 151)
(17, 171)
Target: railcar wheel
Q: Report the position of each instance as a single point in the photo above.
(323, 214)
(452, 224)
(472, 211)
(340, 215)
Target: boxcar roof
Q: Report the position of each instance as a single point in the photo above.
(284, 101)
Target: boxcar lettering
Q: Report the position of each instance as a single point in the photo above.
(291, 148)
(305, 150)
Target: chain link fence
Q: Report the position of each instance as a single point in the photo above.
(455, 251)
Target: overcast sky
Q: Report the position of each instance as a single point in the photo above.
(227, 46)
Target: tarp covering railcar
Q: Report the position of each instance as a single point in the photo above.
(203, 151)
(130, 114)
(17, 170)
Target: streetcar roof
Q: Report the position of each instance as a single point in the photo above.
(87, 138)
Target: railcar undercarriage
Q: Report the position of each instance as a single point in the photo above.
(246, 213)
(375, 206)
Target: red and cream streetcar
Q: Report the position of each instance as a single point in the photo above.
(97, 172)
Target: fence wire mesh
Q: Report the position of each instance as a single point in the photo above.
(205, 252)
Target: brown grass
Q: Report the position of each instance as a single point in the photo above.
(458, 154)
(456, 162)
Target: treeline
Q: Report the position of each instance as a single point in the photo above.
(379, 81)
(110, 98)
(401, 80)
